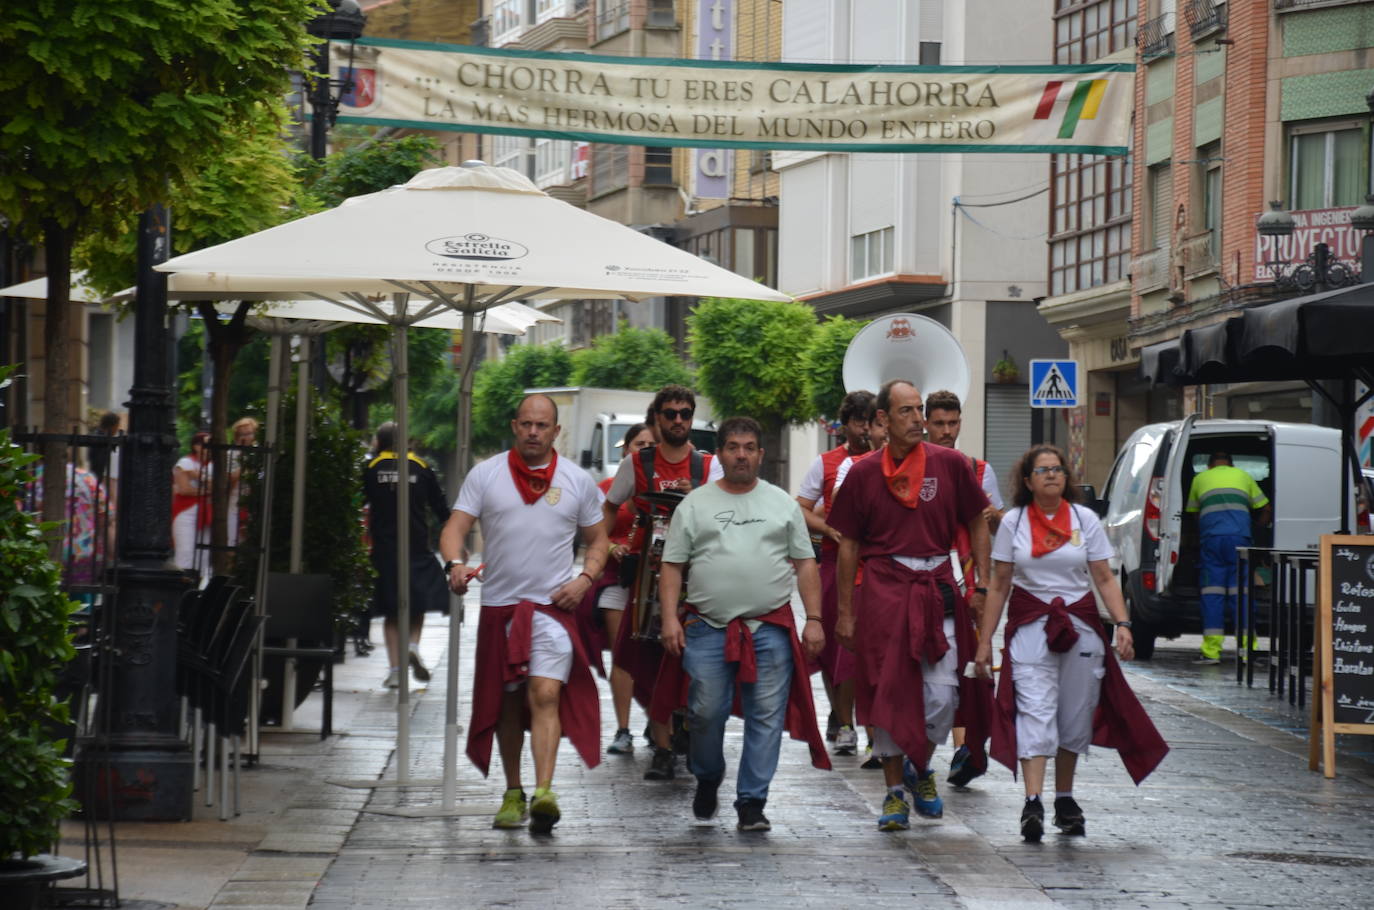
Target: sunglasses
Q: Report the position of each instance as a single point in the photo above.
(1048, 469)
(676, 413)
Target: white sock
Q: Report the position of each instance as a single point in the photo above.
(1063, 794)
(1034, 798)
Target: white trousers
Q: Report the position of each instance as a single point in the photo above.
(1056, 694)
(940, 686)
(551, 650)
(185, 537)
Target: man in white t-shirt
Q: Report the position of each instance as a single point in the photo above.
(531, 669)
(944, 420)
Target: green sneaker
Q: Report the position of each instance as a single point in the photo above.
(512, 813)
(544, 812)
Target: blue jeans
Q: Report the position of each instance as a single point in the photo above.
(1219, 580)
(711, 697)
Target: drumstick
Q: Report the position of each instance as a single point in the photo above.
(474, 573)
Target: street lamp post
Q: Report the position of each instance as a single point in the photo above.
(344, 22)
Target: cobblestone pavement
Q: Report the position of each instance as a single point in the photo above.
(1233, 818)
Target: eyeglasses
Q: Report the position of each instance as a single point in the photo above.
(676, 413)
(1048, 469)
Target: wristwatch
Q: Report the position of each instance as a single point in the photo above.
(1124, 625)
(980, 590)
(448, 566)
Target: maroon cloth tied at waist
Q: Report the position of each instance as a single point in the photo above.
(900, 623)
(590, 624)
(504, 657)
(1119, 722)
(800, 719)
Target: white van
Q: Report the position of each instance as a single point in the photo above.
(1298, 466)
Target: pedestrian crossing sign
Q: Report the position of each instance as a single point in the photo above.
(1054, 383)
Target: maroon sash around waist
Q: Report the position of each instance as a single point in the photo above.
(504, 658)
(1119, 722)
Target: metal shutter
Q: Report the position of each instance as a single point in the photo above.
(1007, 429)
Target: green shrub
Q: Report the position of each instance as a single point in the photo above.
(35, 642)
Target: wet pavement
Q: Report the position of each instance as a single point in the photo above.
(1232, 818)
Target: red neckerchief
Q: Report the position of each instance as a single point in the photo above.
(1049, 534)
(904, 480)
(531, 482)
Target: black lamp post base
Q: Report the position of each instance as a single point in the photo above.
(150, 785)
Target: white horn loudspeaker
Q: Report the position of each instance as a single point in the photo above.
(906, 346)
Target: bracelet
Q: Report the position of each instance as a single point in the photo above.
(1125, 624)
(588, 577)
(980, 590)
(813, 619)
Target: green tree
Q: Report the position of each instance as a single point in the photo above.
(748, 355)
(499, 385)
(630, 358)
(366, 168)
(105, 101)
(823, 364)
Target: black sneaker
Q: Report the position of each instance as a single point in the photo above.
(1068, 817)
(751, 817)
(1033, 820)
(962, 769)
(832, 727)
(704, 803)
(663, 767)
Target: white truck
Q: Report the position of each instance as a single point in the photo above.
(594, 422)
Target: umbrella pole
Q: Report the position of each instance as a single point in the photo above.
(455, 620)
(267, 480)
(400, 379)
(288, 688)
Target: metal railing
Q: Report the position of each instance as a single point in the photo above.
(1284, 5)
(1156, 37)
(612, 17)
(1205, 17)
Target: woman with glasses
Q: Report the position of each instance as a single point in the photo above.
(1061, 688)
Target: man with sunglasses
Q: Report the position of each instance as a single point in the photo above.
(672, 465)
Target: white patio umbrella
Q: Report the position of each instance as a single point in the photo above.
(37, 289)
(463, 238)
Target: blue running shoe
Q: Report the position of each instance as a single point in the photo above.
(928, 802)
(896, 813)
(909, 775)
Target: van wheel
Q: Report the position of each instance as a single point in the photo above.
(1144, 638)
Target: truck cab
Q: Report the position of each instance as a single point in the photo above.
(1155, 540)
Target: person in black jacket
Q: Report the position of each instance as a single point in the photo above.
(428, 589)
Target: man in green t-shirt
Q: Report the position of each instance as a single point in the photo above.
(745, 540)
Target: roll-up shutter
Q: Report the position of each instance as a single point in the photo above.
(1007, 429)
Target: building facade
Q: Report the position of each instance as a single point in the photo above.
(956, 237)
(1240, 104)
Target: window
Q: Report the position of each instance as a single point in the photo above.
(552, 158)
(612, 18)
(1211, 199)
(871, 254)
(930, 53)
(660, 14)
(1085, 32)
(509, 151)
(1090, 236)
(1160, 187)
(505, 20)
(658, 166)
(1327, 167)
(549, 9)
(610, 168)
(760, 161)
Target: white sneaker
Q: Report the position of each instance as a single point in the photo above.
(846, 741)
(393, 679)
(418, 666)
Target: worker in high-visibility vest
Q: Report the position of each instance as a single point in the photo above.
(1223, 496)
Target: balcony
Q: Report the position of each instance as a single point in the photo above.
(1150, 271)
(1205, 17)
(1284, 6)
(1156, 37)
(1199, 254)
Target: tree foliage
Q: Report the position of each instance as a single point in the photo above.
(824, 362)
(748, 355)
(104, 100)
(366, 168)
(499, 385)
(630, 358)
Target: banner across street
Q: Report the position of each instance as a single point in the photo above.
(728, 104)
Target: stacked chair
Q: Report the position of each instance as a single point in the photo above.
(218, 630)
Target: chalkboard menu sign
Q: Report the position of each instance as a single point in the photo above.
(1344, 657)
(1352, 632)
